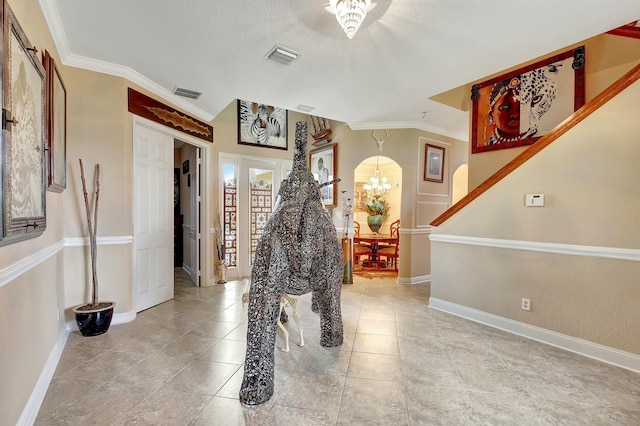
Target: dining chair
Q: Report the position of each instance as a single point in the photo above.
(390, 252)
(360, 249)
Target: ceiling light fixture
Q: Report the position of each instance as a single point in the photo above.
(378, 186)
(350, 14)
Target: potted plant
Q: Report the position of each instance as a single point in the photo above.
(93, 318)
(377, 210)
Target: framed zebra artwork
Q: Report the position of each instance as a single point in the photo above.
(262, 125)
(518, 108)
(23, 166)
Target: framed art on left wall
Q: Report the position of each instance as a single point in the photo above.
(23, 135)
(323, 164)
(56, 119)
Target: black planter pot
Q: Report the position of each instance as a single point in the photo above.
(94, 321)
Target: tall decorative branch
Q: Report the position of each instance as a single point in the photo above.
(217, 227)
(93, 226)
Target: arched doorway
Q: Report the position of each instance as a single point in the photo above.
(384, 168)
(460, 186)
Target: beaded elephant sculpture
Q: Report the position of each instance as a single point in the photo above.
(299, 252)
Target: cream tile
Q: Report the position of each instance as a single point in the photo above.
(165, 407)
(299, 416)
(313, 391)
(189, 346)
(61, 394)
(435, 405)
(162, 368)
(325, 360)
(373, 402)
(231, 412)
(202, 377)
(73, 356)
(153, 371)
(214, 329)
(376, 343)
(374, 326)
(103, 405)
(105, 366)
(375, 367)
(229, 351)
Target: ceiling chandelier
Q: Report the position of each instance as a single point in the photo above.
(378, 186)
(350, 14)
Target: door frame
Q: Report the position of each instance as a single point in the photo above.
(207, 183)
(282, 166)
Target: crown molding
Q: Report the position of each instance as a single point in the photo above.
(52, 17)
(417, 125)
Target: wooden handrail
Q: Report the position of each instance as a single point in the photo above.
(575, 118)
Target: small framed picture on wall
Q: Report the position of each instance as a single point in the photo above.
(433, 163)
(322, 163)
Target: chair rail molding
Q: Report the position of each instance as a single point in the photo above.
(568, 249)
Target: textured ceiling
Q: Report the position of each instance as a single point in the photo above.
(405, 52)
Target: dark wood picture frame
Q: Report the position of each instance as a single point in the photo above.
(434, 163)
(23, 135)
(518, 108)
(56, 121)
(262, 125)
(326, 158)
(631, 29)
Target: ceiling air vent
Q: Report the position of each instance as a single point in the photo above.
(186, 93)
(282, 55)
(305, 108)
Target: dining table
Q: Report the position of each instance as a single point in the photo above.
(374, 240)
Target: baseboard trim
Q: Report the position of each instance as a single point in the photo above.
(598, 352)
(30, 411)
(422, 279)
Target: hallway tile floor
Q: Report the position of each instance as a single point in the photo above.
(402, 363)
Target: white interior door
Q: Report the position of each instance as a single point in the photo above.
(196, 224)
(152, 218)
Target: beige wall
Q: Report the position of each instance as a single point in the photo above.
(592, 200)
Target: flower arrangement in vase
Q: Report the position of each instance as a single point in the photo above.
(377, 210)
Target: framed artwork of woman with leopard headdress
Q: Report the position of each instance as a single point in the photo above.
(517, 108)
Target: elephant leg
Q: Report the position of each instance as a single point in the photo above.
(331, 331)
(264, 309)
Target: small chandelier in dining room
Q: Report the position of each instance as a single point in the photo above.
(350, 14)
(378, 186)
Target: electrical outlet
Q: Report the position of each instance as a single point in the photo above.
(526, 304)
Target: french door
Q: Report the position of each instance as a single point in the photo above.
(250, 186)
